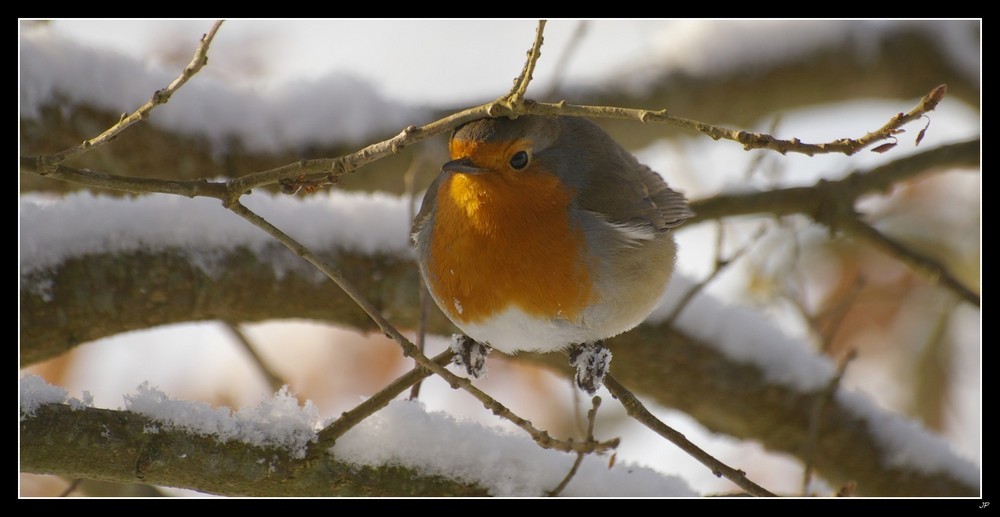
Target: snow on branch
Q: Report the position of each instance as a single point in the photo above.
(260, 450)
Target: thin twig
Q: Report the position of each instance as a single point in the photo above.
(757, 159)
(71, 487)
(816, 419)
(515, 98)
(410, 350)
(929, 268)
(130, 184)
(274, 380)
(591, 420)
(749, 140)
(718, 267)
(200, 59)
(932, 391)
(836, 320)
(638, 411)
(424, 300)
(328, 436)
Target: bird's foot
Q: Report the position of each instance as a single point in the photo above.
(591, 361)
(470, 354)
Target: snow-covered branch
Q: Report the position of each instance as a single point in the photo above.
(403, 450)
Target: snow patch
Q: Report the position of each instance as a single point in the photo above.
(337, 108)
(709, 46)
(744, 335)
(432, 443)
(84, 223)
(277, 422)
(907, 444)
(35, 393)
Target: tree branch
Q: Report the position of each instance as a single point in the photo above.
(274, 381)
(591, 421)
(927, 267)
(114, 446)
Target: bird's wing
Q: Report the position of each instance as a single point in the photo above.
(631, 196)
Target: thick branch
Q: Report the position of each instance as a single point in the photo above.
(114, 446)
(95, 296)
(845, 192)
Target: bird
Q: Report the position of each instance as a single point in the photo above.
(542, 233)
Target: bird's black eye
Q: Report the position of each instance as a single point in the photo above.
(519, 160)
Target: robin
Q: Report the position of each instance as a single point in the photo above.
(542, 234)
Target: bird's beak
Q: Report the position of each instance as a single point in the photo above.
(463, 165)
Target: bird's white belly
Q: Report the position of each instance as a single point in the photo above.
(513, 331)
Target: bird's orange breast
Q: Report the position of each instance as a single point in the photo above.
(506, 239)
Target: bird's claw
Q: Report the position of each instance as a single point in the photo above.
(470, 354)
(591, 361)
